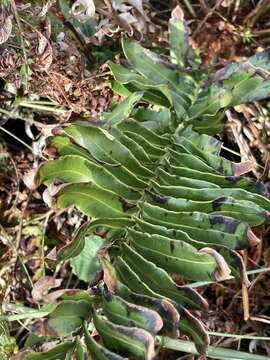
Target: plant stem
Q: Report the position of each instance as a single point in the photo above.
(230, 150)
(16, 317)
(16, 138)
(251, 272)
(39, 106)
(238, 336)
(212, 353)
(21, 141)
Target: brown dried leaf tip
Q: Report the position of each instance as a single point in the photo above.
(178, 13)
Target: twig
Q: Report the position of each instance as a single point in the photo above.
(261, 32)
(204, 7)
(235, 9)
(245, 297)
(238, 336)
(255, 14)
(210, 13)
(260, 319)
(60, 89)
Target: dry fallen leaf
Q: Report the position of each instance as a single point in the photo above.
(131, 16)
(117, 16)
(109, 275)
(46, 7)
(7, 62)
(43, 52)
(83, 9)
(137, 4)
(42, 286)
(5, 24)
(30, 179)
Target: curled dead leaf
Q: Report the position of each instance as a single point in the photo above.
(131, 16)
(83, 9)
(137, 4)
(5, 24)
(30, 179)
(222, 270)
(117, 16)
(126, 20)
(238, 259)
(44, 54)
(195, 321)
(43, 285)
(49, 194)
(110, 277)
(253, 240)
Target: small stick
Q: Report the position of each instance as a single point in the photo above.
(207, 16)
(204, 7)
(245, 297)
(255, 14)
